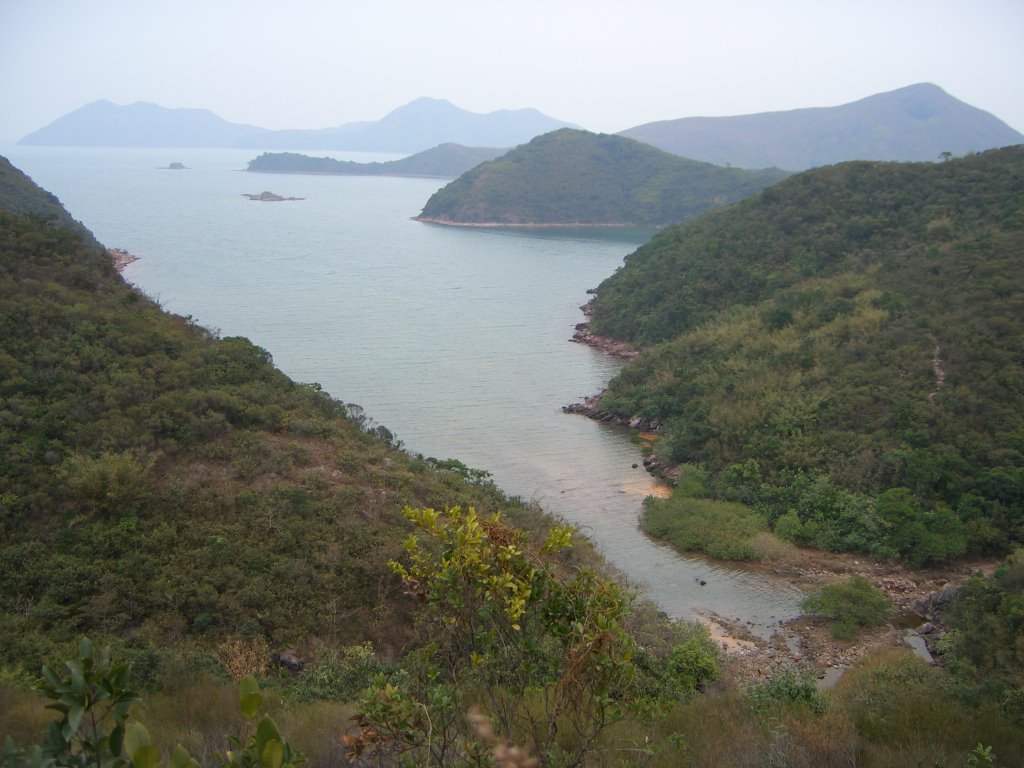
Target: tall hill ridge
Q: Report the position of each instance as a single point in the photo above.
(918, 122)
(414, 127)
(576, 178)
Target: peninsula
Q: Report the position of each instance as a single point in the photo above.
(445, 161)
(576, 178)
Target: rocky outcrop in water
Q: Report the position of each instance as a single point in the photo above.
(270, 197)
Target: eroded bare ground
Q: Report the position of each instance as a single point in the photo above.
(807, 642)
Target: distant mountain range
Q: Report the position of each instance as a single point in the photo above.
(919, 122)
(571, 177)
(446, 161)
(419, 125)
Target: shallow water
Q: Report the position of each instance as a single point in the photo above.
(455, 339)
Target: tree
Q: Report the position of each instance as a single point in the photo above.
(543, 651)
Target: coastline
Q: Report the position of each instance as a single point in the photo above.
(521, 225)
(121, 258)
(917, 596)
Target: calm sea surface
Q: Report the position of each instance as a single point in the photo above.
(454, 339)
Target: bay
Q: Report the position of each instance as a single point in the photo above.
(454, 339)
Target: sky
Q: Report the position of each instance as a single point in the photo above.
(605, 65)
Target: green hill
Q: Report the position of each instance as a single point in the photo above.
(169, 490)
(844, 351)
(444, 161)
(918, 122)
(173, 494)
(19, 194)
(571, 177)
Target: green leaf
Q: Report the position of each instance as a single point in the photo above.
(266, 732)
(250, 697)
(180, 758)
(147, 756)
(117, 739)
(77, 677)
(51, 678)
(272, 755)
(135, 738)
(74, 720)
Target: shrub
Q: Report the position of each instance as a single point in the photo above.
(690, 664)
(339, 676)
(851, 604)
(786, 687)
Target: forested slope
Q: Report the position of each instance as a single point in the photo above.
(19, 194)
(175, 495)
(172, 490)
(845, 351)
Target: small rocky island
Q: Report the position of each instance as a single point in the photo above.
(176, 167)
(270, 197)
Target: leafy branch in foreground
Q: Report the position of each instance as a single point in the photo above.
(540, 651)
(92, 695)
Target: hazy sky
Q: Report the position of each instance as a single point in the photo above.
(605, 65)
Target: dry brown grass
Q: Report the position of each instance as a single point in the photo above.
(771, 549)
(22, 715)
(242, 657)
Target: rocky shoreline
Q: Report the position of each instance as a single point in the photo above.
(121, 258)
(920, 601)
(591, 405)
(919, 598)
(606, 344)
(520, 225)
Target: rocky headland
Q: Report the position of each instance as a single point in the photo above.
(121, 258)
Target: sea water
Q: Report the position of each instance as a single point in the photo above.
(456, 340)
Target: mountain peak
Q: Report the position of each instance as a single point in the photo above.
(916, 122)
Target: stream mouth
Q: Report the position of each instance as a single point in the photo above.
(607, 509)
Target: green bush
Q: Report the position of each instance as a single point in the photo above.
(721, 529)
(852, 604)
(689, 665)
(339, 676)
(786, 687)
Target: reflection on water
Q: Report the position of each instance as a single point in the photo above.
(455, 339)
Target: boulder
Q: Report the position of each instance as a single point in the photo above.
(937, 602)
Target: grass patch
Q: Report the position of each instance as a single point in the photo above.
(726, 530)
